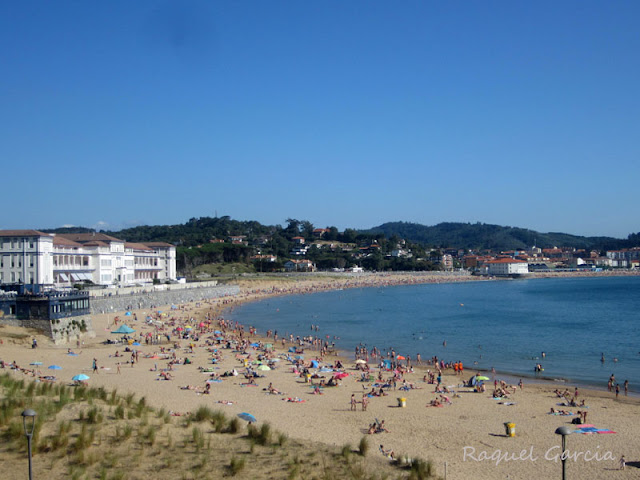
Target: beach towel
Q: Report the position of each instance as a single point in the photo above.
(590, 429)
(562, 414)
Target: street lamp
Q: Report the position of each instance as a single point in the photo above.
(564, 431)
(29, 427)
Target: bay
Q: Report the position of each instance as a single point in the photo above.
(504, 325)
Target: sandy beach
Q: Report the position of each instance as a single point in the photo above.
(466, 435)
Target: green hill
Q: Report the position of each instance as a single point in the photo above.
(482, 236)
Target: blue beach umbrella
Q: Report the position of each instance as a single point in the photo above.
(35, 363)
(247, 417)
(137, 344)
(54, 367)
(80, 378)
(128, 314)
(217, 332)
(124, 330)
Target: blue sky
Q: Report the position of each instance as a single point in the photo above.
(350, 114)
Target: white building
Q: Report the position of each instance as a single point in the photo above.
(507, 266)
(32, 257)
(25, 257)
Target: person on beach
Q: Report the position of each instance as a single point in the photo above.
(353, 402)
(626, 387)
(365, 402)
(94, 366)
(520, 384)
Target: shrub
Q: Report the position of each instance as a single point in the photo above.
(363, 446)
(236, 465)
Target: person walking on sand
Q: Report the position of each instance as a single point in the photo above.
(353, 402)
(626, 387)
(95, 366)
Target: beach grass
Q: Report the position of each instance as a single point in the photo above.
(77, 437)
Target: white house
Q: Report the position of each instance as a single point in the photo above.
(507, 266)
(299, 266)
(33, 257)
(25, 257)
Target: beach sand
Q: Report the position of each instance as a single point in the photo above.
(467, 438)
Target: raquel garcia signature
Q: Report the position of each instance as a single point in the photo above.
(553, 454)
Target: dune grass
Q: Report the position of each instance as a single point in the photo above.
(88, 433)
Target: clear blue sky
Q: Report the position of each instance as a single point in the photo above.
(350, 113)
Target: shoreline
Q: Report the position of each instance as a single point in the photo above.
(403, 278)
(473, 420)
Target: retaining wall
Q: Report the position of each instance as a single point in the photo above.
(120, 303)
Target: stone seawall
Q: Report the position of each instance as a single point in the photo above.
(120, 303)
(60, 330)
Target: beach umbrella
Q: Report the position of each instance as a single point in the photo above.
(137, 344)
(360, 361)
(264, 367)
(217, 332)
(128, 314)
(179, 329)
(482, 378)
(340, 375)
(255, 345)
(400, 357)
(54, 367)
(188, 327)
(123, 330)
(80, 378)
(35, 363)
(325, 370)
(202, 324)
(247, 417)
(314, 363)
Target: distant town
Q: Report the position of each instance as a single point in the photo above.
(91, 259)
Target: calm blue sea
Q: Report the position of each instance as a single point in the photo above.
(502, 324)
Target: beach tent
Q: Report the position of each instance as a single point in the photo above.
(292, 349)
(314, 364)
(123, 330)
(387, 363)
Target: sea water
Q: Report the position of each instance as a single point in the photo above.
(504, 325)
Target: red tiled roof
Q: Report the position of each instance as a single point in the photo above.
(89, 237)
(23, 233)
(137, 246)
(65, 242)
(506, 260)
